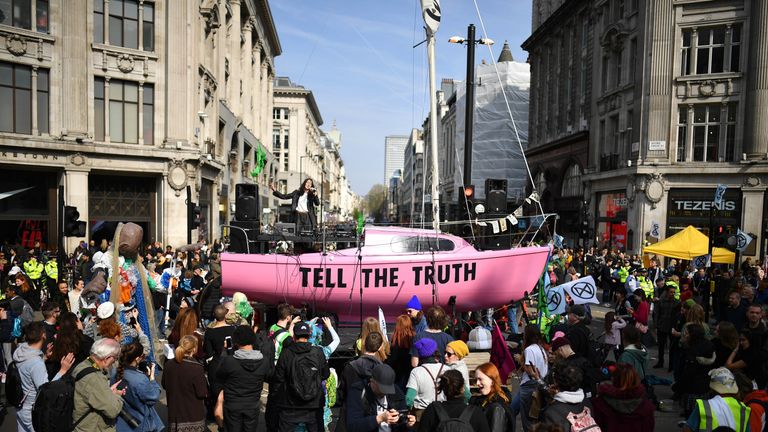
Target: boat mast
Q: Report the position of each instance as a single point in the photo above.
(431, 13)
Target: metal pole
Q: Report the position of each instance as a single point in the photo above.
(470, 105)
(705, 295)
(60, 222)
(433, 133)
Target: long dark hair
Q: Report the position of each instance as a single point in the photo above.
(128, 354)
(531, 335)
(67, 338)
(303, 186)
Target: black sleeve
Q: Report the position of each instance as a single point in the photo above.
(479, 422)
(326, 372)
(428, 421)
(282, 195)
(315, 199)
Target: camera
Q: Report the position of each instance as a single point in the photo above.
(144, 366)
(128, 418)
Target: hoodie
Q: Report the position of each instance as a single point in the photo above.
(564, 403)
(637, 357)
(242, 377)
(623, 410)
(33, 375)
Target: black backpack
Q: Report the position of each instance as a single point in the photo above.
(450, 424)
(14, 395)
(55, 403)
(305, 382)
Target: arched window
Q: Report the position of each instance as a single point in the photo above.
(572, 186)
(541, 182)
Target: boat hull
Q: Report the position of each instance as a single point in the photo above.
(334, 282)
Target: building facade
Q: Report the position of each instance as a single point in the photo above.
(394, 155)
(411, 185)
(126, 104)
(670, 100)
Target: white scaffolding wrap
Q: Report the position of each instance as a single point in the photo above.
(495, 151)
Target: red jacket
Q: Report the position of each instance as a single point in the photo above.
(756, 416)
(623, 410)
(641, 313)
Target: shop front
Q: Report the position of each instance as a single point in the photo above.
(695, 206)
(114, 199)
(611, 220)
(27, 209)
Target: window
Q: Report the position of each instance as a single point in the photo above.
(98, 21)
(15, 98)
(127, 23)
(541, 182)
(18, 13)
(619, 65)
(285, 140)
(730, 132)
(275, 139)
(633, 66)
(117, 104)
(43, 101)
(285, 114)
(682, 133)
(285, 162)
(630, 125)
(614, 131)
(148, 27)
(706, 132)
(275, 113)
(604, 77)
(618, 10)
(148, 111)
(718, 49)
(735, 48)
(572, 182)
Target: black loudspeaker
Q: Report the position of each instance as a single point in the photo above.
(242, 236)
(495, 195)
(246, 202)
(491, 241)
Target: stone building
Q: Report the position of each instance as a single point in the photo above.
(126, 104)
(666, 99)
(411, 185)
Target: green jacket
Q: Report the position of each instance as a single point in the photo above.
(93, 393)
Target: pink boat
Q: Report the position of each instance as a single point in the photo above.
(392, 265)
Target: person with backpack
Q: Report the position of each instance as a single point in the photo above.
(493, 399)
(452, 415)
(382, 405)
(141, 390)
(299, 374)
(280, 334)
(423, 384)
(242, 377)
(356, 375)
(621, 404)
(29, 364)
(569, 408)
(96, 403)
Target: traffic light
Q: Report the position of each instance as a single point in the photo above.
(193, 215)
(721, 236)
(72, 226)
(467, 209)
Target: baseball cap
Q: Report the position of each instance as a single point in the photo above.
(302, 329)
(384, 376)
(559, 343)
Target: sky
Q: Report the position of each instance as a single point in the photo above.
(364, 72)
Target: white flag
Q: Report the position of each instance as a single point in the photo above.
(383, 324)
(719, 195)
(430, 10)
(702, 261)
(655, 230)
(513, 220)
(495, 226)
(742, 240)
(582, 290)
(518, 213)
(503, 224)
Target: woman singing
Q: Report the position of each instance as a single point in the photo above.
(303, 202)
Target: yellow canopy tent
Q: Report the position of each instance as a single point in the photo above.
(688, 244)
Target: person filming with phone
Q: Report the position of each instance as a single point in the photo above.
(382, 405)
(303, 202)
(137, 377)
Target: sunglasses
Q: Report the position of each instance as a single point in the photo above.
(450, 354)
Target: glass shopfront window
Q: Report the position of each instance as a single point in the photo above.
(692, 207)
(611, 226)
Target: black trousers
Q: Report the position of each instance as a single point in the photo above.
(311, 418)
(664, 337)
(242, 419)
(303, 222)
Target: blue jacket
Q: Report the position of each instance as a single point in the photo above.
(140, 398)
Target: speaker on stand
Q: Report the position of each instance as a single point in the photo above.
(496, 207)
(246, 202)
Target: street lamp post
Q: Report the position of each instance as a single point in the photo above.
(470, 41)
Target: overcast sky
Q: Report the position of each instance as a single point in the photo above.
(364, 73)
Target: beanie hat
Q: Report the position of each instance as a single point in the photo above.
(414, 303)
(559, 343)
(426, 347)
(105, 310)
(460, 348)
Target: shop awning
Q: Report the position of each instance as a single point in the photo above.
(688, 244)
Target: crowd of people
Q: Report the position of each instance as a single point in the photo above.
(218, 365)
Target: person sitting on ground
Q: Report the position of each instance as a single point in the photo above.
(722, 410)
(568, 398)
(451, 384)
(621, 404)
(381, 405)
(494, 400)
(436, 322)
(96, 404)
(31, 367)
